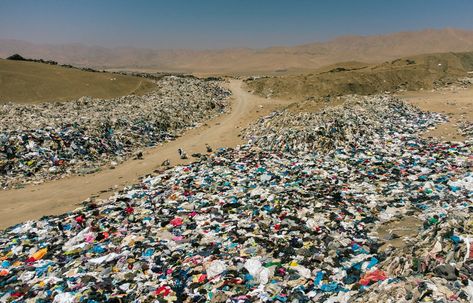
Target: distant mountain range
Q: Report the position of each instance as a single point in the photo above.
(368, 49)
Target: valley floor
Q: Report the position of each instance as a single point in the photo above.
(59, 196)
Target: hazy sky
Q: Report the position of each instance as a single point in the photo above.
(219, 24)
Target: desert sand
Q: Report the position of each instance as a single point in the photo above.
(31, 82)
(457, 104)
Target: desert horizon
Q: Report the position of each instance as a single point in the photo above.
(312, 55)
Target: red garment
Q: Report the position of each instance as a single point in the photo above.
(80, 219)
(163, 290)
(374, 276)
(202, 278)
(176, 221)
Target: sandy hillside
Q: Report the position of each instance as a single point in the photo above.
(36, 82)
(408, 73)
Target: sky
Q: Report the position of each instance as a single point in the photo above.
(207, 24)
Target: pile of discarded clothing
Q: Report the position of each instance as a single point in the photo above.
(357, 122)
(258, 224)
(50, 140)
(466, 128)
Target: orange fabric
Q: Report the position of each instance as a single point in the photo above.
(39, 254)
(374, 276)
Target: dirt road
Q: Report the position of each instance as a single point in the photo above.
(59, 196)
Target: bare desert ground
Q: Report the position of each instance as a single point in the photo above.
(457, 104)
(31, 82)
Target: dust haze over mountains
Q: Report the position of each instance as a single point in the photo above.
(238, 60)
